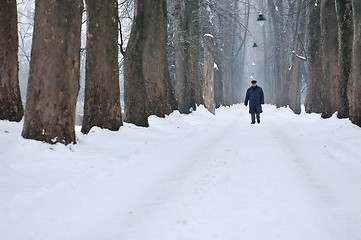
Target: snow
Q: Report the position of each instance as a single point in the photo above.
(300, 57)
(215, 66)
(208, 35)
(195, 176)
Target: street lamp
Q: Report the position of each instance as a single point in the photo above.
(261, 19)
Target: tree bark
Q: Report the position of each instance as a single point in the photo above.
(188, 86)
(355, 98)
(208, 89)
(54, 72)
(102, 94)
(281, 53)
(329, 36)
(11, 107)
(315, 87)
(345, 33)
(218, 87)
(147, 85)
(226, 71)
(295, 73)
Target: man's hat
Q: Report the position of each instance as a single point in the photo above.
(253, 81)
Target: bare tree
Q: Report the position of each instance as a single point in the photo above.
(314, 101)
(147, 85)
(102, 94)
(208, 89)
(187, 83)
(297, 61)
(54, 72)
(11, 107)
(355, 96)
(345, 33)
(280, 51)
(329, 45)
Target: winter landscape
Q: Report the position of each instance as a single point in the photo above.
(195, 176)
(180, 120)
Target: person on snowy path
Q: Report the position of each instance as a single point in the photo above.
(255, 97)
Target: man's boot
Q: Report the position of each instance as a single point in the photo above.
(253, 117)
(258, 118)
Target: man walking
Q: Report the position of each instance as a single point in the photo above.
(256, 98)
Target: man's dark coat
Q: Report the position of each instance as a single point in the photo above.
(255, 97)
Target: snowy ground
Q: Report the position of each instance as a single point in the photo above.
(187, 177)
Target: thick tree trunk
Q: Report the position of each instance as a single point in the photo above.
(355, 98)
(147, 85)
(194, 56)
(329, 36)
(208, 89)
(315, 87)
(135, 93)
(345, 33)
(54, 72)
(11, 107)
(181, 48)
(188, 86)
(102, 94)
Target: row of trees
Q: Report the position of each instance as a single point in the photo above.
(327, 33)
(179, 54)
(53, 83)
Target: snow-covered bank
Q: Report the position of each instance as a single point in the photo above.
(186, 177)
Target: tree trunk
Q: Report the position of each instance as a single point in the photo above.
(355, 98)
(208, 89)
(295, 71)
(315, 87)
(218, 87)
(281, 55)
(345, 33)
(147, 85)
(188, 86)
(181, 48)
(11, 107)
(102, 94)
(194, 54)
(329, 35)
(54, 72)
(226, 72)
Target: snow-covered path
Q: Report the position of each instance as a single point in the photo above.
(187, 177)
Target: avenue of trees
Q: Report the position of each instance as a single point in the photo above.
(317, 42)
(177, 55)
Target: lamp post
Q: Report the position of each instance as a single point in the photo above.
(261, 19)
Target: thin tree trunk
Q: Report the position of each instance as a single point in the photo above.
(329, 35)
(295, 71)
(281, 53)
(11, 107)
(102, 94)
(54, 72)
(345, 33)
(355, 98)
(218, 87)
(226, 72)
(208, 89)
(314, 102)
(147, 85)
